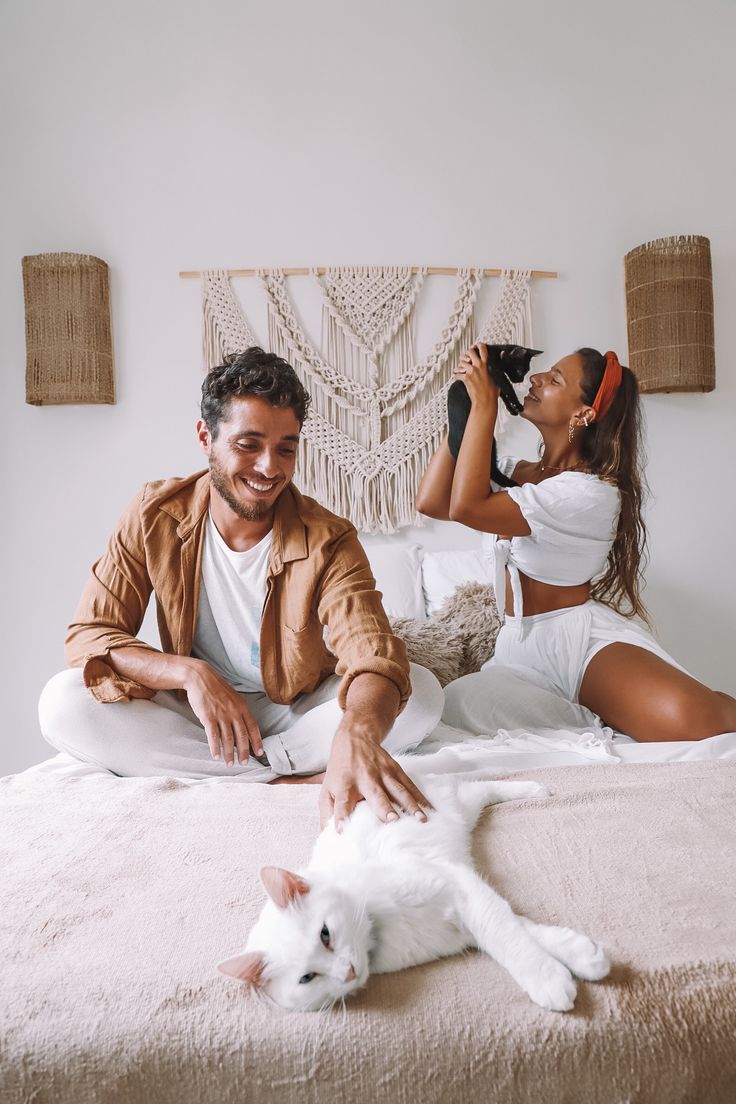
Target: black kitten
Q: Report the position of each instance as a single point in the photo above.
(507, 364)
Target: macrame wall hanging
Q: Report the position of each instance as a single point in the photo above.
(377, 412)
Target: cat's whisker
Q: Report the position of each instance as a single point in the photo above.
(308, 1050)
(265, 998)
(325, 1028)
(359, 913)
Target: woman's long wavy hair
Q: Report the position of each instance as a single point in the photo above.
(612, 448)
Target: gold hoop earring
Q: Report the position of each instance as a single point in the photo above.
(570, 432)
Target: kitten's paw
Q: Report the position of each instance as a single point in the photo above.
(553, 987)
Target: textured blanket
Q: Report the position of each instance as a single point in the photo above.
(120, 895)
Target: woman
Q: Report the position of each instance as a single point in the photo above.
(571, 537)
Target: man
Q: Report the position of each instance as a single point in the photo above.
(248, 574)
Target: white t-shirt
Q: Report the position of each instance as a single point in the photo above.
(231, 596)
(573, 519)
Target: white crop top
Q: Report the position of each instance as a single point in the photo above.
(573, 518)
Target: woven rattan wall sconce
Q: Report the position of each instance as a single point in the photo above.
(68, 329)
(669, 309)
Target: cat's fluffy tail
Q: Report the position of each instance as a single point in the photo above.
(475, 795)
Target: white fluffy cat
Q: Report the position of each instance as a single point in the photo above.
(380, 897)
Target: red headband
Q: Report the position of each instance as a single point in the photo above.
(609, 386)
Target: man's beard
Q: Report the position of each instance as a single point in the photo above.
(248, 511)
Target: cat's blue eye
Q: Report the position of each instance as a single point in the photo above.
(325, 936)
(306, 978)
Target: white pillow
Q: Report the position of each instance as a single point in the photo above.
(444, 571)
(398, 571)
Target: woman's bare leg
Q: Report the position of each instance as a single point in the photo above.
(643, 696)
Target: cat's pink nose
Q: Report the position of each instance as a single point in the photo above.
(351, 974)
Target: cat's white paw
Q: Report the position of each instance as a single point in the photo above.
(553, 987)
(589, 960)
(581, 955)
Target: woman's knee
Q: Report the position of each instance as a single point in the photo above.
(686, 715)
(710, 717)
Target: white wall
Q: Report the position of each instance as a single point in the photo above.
(163, 136)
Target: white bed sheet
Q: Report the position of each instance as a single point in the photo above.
(499, 757)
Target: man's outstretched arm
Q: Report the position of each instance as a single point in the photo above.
(375, 689)
(358, 767)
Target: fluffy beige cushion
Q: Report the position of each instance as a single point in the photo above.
(459, 638)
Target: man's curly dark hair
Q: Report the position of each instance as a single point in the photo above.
(251, 373)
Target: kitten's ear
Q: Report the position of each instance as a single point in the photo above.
(245, 967)
(282, 886)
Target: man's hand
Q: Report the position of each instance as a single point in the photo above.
(358, 768)
(224, 715)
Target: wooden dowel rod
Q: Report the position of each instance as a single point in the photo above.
(321, 270)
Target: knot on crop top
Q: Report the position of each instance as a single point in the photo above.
(573, 519)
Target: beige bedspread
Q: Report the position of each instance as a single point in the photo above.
(119, 896)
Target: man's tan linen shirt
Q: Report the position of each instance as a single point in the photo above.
(318, 575)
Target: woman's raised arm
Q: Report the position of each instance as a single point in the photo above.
(472, 501)
(435, 489)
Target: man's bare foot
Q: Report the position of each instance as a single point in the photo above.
(298, 779)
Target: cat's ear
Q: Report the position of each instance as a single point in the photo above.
(245, 967)
(282, 886)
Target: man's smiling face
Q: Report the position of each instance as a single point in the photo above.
(252, 459)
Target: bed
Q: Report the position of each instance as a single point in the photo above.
(121, 895)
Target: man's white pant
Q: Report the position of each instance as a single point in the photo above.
(162, 736)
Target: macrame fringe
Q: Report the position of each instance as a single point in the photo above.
(383, 503)
(225, 328)
(213, 341)
(376, 417)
